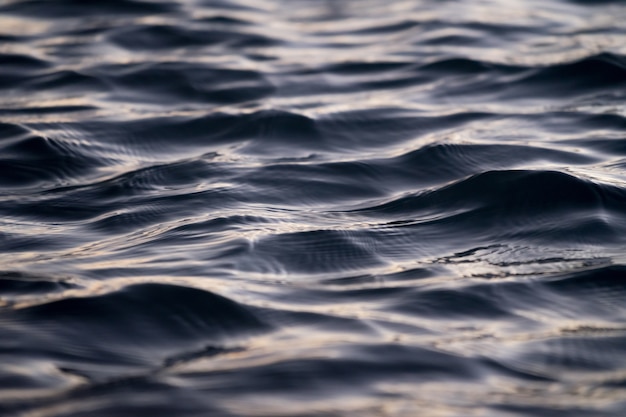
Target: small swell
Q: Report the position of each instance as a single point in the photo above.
(599, 71)
(448, 161)
(10, 63)
(603, 72)
(15, 284)
(186, 82)
(363, 130)
(541, 206)
(36, 160)
(64, 8)
(450, 304)
(466, 66)
(168, 37)
(62, 81)
(602, 286)
(513, 191)
(138, 325)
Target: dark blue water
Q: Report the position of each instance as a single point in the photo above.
(313, 208)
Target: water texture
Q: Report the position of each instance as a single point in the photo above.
(313, 208)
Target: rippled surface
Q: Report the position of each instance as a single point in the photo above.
(312, 208)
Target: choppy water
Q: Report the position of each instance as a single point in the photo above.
(313, 208)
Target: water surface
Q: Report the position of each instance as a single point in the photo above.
(313, 208)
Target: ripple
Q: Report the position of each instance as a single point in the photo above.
(313, 252)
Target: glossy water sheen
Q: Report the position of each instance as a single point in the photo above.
(313, 208)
